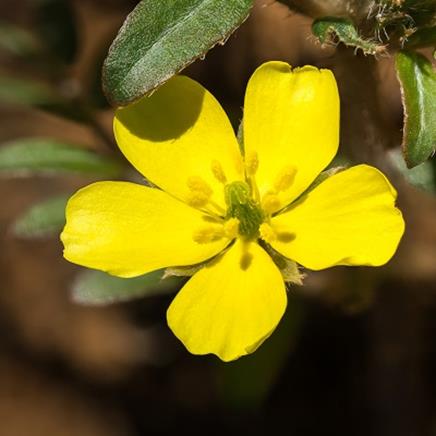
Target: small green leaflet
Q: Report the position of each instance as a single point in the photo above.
(42, 219)
(99, 288)
(36, 156)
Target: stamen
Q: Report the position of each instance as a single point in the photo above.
(199, 185)
(271, 203)
(252, 163)
(285, 178)
(231, 228)
(218, 172)
(198, 199)
(239, 165)
(208, 234)
(267, 233)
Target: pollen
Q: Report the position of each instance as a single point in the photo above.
(285, 178)
(271, 203)
(231, 228)
(252, 163)
(218, 172)
(267, 233)
(208, 234)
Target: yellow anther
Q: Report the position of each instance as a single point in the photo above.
(251, 163)
(207, 234)
(231, 228)
(199, 185)
(218, 172)
(285, 178)
(271, 203)
(198, 199)
(267, 233)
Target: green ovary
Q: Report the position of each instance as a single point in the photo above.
(242, 206)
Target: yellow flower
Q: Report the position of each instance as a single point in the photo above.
(217, 205)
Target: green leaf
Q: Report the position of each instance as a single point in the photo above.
(326, 29)
(422, 38)
(418, 87)
(31, 92)
(422, 176)
(161, 37)
(99, 288)
(43, 219)
(17, 41)
(246, 383)
(36, 156)
(27, 92)
(54, 22)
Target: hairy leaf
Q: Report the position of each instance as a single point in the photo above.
(30, 156)
(326, 29)
(161, 37)
(418, 86)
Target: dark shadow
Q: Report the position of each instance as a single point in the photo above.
(166, 114)
(245, 261)
(285, 236)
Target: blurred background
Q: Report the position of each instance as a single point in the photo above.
(356, 351)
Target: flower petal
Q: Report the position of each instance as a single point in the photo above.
(291, 121)
(349, 219)
(178, 133)
(231, 306)
(129, 230)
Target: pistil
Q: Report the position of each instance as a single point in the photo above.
(242, 206)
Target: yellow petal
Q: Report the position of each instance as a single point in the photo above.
(129, 230)
(231, 306)
(179, 137)
(291, 123)
(349, 219)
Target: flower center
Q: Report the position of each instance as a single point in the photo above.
(243, 207)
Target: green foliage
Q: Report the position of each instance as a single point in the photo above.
(327, 29)
(30, 156)
(99, 288)
(27, 92)
(161, 37)
(30, 92)
(418, 84)
(43, 219)
(422, 176)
